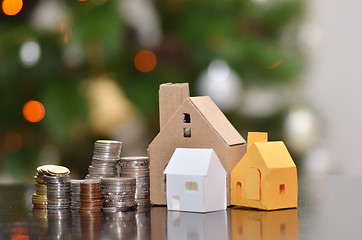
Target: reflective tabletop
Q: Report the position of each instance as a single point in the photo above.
(328, 208)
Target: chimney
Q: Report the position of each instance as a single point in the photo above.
(254, 137)
(171, 96)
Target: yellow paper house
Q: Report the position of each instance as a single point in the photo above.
(266, 176)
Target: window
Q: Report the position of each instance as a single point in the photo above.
(283, 230)
(187, 132)
(238, 191)
(191, 186)
(252, 184)
(282, 188)
(186, 118)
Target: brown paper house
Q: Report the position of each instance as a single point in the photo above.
(190, 122)
(266, 177)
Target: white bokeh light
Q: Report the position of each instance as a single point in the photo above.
(309, 38)
(142, 16)
(48, 15)
(30, 53)
(262, 101)
(301, 129)
(260, 1)
(222, 84)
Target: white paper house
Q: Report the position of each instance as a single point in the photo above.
(195, 181)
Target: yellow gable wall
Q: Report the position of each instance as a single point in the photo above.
(251, 159)
(171, 137)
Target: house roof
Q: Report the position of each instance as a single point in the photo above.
(193, 161)
(274, 154)
(217, 120)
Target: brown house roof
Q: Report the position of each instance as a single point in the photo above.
(217, 120)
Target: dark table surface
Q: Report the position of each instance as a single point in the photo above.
(328, 208)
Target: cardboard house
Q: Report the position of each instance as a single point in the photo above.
(195, 181)
(190, 122)
(266, 177)
(201, 226)
(263, 225)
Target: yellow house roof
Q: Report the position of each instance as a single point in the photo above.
(274, 154)
(217, 120)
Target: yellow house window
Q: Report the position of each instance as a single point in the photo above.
(282, 188)
(238, 191)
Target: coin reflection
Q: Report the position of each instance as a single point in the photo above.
(59, 224)
(41, 218)
(91, 225)
(143, 225)
(120, 225)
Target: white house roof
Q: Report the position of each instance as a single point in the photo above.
(193, 161)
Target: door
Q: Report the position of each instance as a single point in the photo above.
(253, 178)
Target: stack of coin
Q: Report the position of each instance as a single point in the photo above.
(40, 196)
(90, 196)
(105, 159)
(118, 194)
(138, 168)
(75, 194)
(58, 187)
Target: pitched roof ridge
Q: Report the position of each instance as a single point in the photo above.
(217, 120)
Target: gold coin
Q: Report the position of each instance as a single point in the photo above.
(43, 169)
(57, 170)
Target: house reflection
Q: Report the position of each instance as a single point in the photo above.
(189, 225)
(255, 225)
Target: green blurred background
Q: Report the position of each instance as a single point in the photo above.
(78, 59)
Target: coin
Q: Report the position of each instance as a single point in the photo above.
(57, 170)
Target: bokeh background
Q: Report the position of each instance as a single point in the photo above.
(72, 72)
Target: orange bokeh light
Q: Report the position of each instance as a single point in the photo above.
(19, 233)
(66, 30)
(145, 61)
(12, 7)
(33, 111)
